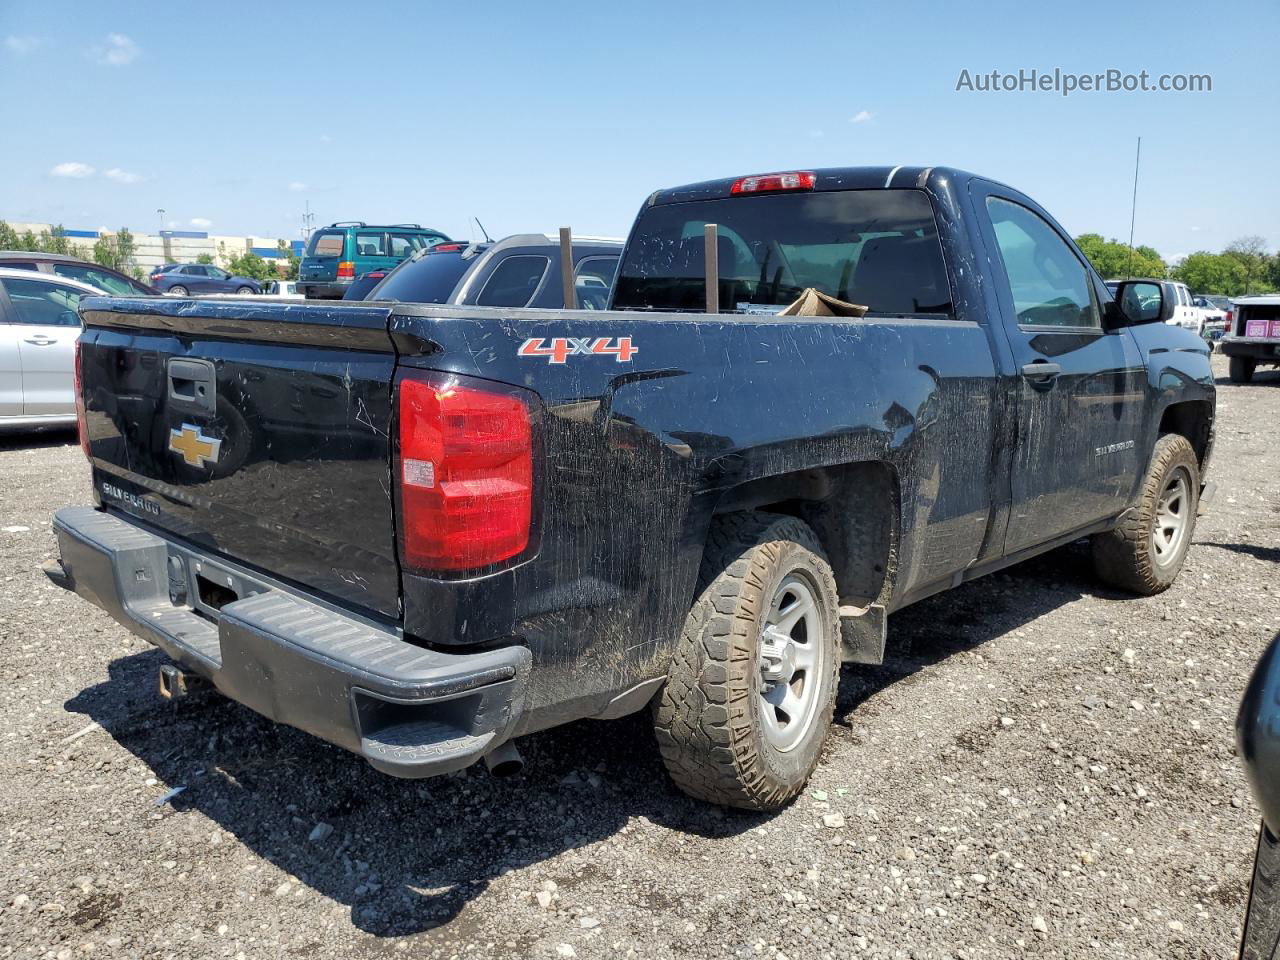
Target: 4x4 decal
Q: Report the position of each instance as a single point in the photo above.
(560, 349)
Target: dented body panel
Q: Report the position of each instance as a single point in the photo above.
(918, 441)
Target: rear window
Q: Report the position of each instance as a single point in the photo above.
(327, 243)
(874, 247)
(430, 279)
(514, 282)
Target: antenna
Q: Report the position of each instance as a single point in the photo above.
(1133, 212)
(487, 238)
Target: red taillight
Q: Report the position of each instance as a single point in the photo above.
(768, 182)
(1231, 319)
(346, 270)
(465, 472)
(445, 248)
(81, 421)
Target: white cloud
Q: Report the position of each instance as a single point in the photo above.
(1195, 229)
(862, 116)
(72, 168)
(118, 51)
(817, 134)
(201, 222)
(297, 186)
(21, 46)
(121, 176)
(173, 225)
(325, 138)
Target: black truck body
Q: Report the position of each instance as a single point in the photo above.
(251, 510)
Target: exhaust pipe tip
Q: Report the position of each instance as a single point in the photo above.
(504, 760)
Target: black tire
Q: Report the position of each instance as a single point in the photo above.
(708, 715)
(178, 290)
(1241, 369)
(1127, 557)
(243, 291)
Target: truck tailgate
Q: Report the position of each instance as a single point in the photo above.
(259, 431)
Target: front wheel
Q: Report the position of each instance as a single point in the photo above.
(1145, 552)
(244, 290)
(752, 687)
(1241, 369)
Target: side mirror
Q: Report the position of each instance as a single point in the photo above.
(1137, 302)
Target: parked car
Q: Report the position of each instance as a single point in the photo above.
(342, 251)
(38, 330)
(1258, 744)
(1185, 313)
(518, 271)
(362, 284)
(482, 521)
(73, 268)
(184, 279)
(1253, 336)
(283, 288)
(1213, 317)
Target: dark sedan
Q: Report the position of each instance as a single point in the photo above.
(181, 279)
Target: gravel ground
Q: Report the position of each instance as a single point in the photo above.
(1042, 768)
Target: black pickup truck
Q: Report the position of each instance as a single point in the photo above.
(421, 531)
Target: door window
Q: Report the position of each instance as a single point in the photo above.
(592, 279)
(1049, 284)
(371, 244)
(101, 279)
(42, 303)
(514, 282)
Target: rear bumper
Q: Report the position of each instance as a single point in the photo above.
(322, 289)
(1257, 349)
(411, 712)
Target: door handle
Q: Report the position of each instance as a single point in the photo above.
(40, 341)
(1041, 374)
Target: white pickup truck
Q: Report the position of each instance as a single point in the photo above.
(1253, 336)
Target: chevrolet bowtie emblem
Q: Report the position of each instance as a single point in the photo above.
(195, 447)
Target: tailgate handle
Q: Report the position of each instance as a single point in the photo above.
(192, 385)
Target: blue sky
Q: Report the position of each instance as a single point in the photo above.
(536, 115)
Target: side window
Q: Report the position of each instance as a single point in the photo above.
(1049, 284)
(514, 282)
(593, 278)
(96, 278)
(404, 244)
(371, 244)
(217, 273)
(42, 302)
(17, 265)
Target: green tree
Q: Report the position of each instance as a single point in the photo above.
(291, 260)
(249, 264)
(115, 251)
(8, 237)
(1216, 273)
(1113, 259)
(1251, 253)
(205, 258)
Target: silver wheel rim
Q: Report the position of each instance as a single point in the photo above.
(1173, 513)
(178, 291)
(791, 660)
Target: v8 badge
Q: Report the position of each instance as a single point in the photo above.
(560, 349)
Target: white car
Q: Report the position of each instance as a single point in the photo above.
(1185, 313)
(1213, 319)
(283, 288)
(39, 326)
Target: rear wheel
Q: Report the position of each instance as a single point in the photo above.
(1145, 552)
(750, 692)
(1241, 369)
(178, 290)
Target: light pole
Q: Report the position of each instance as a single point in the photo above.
(160, 214)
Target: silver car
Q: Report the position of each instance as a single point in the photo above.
(38, 330)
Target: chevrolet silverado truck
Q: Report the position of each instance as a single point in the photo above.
(423, 531)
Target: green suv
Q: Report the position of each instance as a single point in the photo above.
(342, 251)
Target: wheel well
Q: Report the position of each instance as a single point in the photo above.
(1192, 419)
(853, 508)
